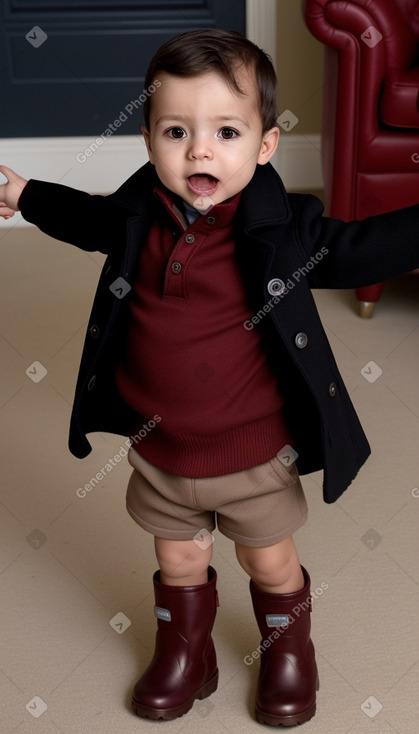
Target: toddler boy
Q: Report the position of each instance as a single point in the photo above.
(204, 329)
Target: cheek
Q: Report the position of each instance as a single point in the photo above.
(166, 152)
(162, 157)
(240, 163)
(167, 166)
(245, 154)
(168, 169)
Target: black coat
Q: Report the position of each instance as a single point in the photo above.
(285, 247)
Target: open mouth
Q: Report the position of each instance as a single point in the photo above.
(202, 183)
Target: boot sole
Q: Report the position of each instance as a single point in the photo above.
(271, 720)
(147, 712)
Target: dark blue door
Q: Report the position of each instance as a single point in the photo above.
(71, 68)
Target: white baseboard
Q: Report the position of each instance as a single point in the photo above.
(101, 168)
(298, 162)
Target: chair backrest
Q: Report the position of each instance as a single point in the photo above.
(332, 20)
(366, 42)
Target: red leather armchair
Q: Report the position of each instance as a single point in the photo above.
(370, 138)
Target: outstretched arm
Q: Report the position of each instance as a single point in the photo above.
(10, 192)
(358, 253)
(91, 222)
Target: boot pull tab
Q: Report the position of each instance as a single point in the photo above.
(277, 620)
(163, 614)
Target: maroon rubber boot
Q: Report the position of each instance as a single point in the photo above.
(184, 665)
(288, 678)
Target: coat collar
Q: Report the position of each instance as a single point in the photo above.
(136, 193)
(264, 201)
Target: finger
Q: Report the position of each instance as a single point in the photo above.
(13, 178)
(8, 172)
(5, 211)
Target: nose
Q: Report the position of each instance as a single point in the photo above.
(200, 149)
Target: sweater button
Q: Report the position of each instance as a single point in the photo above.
(301, 340)
(210, 220)
(332, 389)
(190, 238)
(176, 267)
(94, 331)
(276, 286)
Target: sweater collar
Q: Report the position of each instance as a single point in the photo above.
(221, 214)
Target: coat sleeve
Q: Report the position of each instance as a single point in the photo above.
(91, 222)
(355, 254)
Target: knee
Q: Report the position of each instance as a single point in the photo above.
(182, 558)
(272, 564)
(253, 562)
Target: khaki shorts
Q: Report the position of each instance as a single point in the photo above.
(256, 507)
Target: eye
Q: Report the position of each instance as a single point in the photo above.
(228, 133)
(176, 132)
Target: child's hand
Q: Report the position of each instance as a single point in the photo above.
(10, 192)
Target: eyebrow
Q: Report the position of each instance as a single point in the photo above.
(218, 118)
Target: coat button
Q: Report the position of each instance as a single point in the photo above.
(276, 286)
(94, 331)
(332, 389)
(91, 383)
(176, 267)
(190, 238)
(301, 340)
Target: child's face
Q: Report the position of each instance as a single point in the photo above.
(205, 140)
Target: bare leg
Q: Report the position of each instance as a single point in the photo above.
(182, 562)
(274, 568)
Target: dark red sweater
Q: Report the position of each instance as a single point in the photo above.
(189, 358)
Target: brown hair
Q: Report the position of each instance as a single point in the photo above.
(214, 49)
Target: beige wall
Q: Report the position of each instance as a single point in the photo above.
(299, 68)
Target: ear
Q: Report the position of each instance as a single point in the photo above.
(269, 145)
(147, 140)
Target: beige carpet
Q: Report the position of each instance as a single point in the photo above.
(77, 625)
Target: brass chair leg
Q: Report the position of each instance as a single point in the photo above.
(366, 309)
